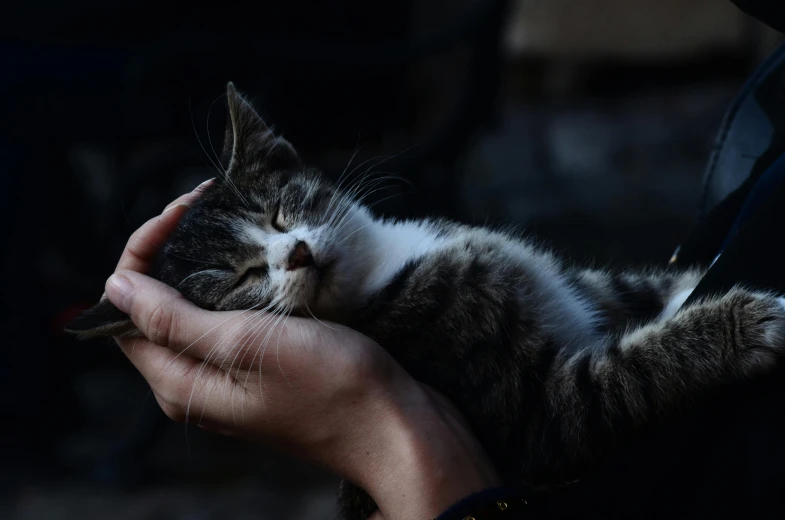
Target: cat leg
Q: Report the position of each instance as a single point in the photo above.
(596, 395)
(635, 296)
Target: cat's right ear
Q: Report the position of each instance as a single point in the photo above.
(249, 141)
(102, 320)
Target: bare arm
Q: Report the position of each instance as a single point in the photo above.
(330, 395)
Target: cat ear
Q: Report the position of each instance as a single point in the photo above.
(102, 320)
(249, 140)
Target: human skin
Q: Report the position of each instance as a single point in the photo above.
(320, 391)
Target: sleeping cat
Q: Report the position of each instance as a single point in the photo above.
(552, 365)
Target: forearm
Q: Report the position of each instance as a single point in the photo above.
(427, 460)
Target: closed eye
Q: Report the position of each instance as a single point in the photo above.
(251, 273)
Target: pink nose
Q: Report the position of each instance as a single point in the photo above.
(300, 256)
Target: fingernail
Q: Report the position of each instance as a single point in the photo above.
(204, 184)
(178, 205)
(120, 292)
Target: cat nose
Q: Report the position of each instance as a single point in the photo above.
(300, 256)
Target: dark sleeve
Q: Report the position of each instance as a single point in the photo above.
(502, 503)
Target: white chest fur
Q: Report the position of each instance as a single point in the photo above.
(393, 244)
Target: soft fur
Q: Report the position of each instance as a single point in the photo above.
(551, 365)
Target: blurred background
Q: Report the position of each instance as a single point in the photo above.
(586, 124)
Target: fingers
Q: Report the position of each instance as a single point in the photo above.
(236, 338)
(167, 319)
(189, 197)
(145, 242)
(186, 388)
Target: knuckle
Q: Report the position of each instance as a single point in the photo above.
(173, 412)
(368, 369)
(161, 325)
(175, 388)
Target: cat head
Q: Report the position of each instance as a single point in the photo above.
(269, 234)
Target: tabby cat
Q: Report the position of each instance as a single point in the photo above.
(552, 365)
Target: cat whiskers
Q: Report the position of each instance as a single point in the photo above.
(159, 246)
(256, 330)
(250, 337)
(363, 188)
(358, 196)
(215, 351)
(204, 271)
(261, 351)
(345, 238)
(278, 352)
(207, 131)
(194, 342)
(205, 362)
(218, 167)
(341, 179)
(323, 324)
(381, 160)
(369, 190)
(338, 196)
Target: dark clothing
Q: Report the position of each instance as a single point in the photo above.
(726, 458)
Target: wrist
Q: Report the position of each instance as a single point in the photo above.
(427, 458)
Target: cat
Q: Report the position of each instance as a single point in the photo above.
(551, 364)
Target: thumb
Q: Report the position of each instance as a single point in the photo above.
(163, 315)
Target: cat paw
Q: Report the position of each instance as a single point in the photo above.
(770, 344)
(758, 328)
(775, 328)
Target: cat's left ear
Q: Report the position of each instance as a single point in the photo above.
(249, 141)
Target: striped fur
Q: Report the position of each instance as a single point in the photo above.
(552, 365)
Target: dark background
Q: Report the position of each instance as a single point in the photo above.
(587, 126)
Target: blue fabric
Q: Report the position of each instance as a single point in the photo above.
(763, 187)
(745, 134)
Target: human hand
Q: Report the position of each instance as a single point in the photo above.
(321, 391)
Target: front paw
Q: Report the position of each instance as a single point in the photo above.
(775, 328)
(761, 325)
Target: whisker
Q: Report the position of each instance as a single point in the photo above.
(317, 319)
(278, 349)
(208, 361)
(340, 179)
(222, 173)
(207, 130)
(198, 140)
(253, 333)
(233, 316)
(263, 349)
(357, 194)
(196, 274)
